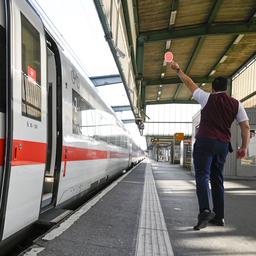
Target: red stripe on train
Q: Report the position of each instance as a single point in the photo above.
(30, 153)
(79, 154)
(117, 154)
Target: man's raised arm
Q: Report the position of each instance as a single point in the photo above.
(184, 78)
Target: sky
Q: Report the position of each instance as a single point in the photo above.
(78, 23)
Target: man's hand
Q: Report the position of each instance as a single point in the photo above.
(174, 65)
(183, 77)
(241, 153)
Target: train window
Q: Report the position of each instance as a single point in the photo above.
(103, 125)
(83, 116)
(2, 69)
(31, 70)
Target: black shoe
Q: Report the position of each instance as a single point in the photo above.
(203, 219)
(217, 222)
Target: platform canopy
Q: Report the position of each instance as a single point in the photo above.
(207, 38)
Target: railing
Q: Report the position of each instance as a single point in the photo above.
(31, 98)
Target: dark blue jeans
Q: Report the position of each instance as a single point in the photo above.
(209, 157)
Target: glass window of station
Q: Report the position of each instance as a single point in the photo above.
(168, 119)
(244, 85)
(243, 89)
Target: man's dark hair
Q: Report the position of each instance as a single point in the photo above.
(219, 84)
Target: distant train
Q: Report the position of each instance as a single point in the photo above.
(58, 139)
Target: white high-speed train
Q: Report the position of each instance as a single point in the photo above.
(58, 139)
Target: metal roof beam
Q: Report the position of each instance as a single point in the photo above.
(200, 41)
(214, 11)
(176, 80)
(129, 33)
(167, 122)
(136, 16)
(140, 57)
(248, 97)
(121, 108)
(108, 37)
(253, 17)
(196, 31)
(173, 14)
(191, 62)
(171, 102)
(143, 97)
(177, 91)
(160, 136)
(174, 5)
(194, 54)
(106, 80)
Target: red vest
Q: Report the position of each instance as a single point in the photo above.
(217, 117)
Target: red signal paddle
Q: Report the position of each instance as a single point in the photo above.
(168, 57)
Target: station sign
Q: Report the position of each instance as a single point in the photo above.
(179, 136)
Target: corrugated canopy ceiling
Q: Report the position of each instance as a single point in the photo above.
(208, 39)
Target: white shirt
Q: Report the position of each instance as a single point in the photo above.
(202, 98)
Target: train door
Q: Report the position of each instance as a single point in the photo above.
(26, 136)
(54, 127)
(2, 91)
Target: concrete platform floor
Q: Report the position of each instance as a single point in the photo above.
(133, 219)
(176, 190)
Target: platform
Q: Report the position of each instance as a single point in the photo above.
(151, 211)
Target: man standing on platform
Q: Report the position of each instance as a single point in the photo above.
(213, 144)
